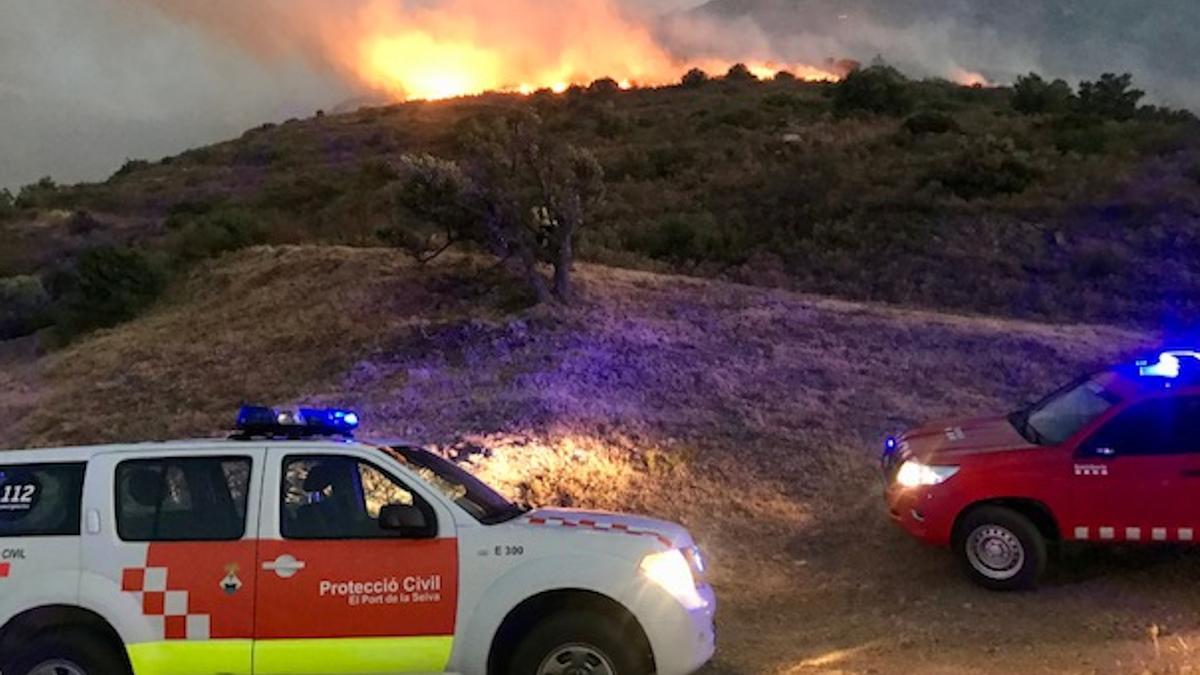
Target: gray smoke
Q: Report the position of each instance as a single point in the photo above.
(1156, 40)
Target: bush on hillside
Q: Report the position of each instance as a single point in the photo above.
(1111, 97)
(1033, 95)
(1092, 139)
(692, 238)
(605, 86)
(694, 78)
(197, 237)
(1098, 261)
(298, 194)
(131, 166)
(879, 90)
(23, 305)
(106, 286)
(39, 195)
(8, 206)
(930, 122)
(740, 72)
(985, 170)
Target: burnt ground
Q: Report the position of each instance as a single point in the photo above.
(753, 416)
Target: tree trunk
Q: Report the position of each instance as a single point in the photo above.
(537, 282)
(563, 264)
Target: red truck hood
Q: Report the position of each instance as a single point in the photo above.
(955, 438)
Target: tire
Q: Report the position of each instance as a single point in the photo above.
(576, 633)
(1000, 549)
(66, 652)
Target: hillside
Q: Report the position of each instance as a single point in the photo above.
(961, 203)
(753, 416)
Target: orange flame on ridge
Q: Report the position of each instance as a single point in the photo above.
(467, 47)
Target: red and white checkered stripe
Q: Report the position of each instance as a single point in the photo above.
(1151, 534)
(555, 521)
(167, 608)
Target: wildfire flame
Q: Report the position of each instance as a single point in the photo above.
(969, 78)
(436, 49)
(466, 47)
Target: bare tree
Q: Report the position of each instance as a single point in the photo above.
(518, 192)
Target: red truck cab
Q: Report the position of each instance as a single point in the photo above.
(1112, 457)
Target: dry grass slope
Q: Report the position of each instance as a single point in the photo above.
(750, 415)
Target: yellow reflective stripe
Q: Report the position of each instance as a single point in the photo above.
(198, 657)
(352, 655)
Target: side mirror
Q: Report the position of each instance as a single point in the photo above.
(408, 521)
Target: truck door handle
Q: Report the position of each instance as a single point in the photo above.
(285, 566)
(1190, 473)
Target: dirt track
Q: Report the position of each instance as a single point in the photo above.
(753, 416)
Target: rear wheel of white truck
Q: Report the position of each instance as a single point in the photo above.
(578, 642)
(67, 652)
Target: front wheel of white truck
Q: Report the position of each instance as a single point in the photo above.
(578, 642)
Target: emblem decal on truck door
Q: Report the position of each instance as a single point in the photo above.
(1091, 470)
(231, 583)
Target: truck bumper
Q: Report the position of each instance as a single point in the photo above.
(924, 513)
(683, 640)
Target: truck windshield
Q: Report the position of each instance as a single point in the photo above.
(476, 497)
(1060, 415)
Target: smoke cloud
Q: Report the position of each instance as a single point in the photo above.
(85, 85)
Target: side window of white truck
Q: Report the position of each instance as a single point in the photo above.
(39, 500)
(332, 497)
(182, 499)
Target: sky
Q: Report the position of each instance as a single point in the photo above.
(87, 84)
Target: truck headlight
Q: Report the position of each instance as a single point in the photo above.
(671, 571)
(915, 474)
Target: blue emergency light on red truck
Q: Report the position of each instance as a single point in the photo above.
(1112, 457)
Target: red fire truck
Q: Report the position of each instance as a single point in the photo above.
(1112, 457)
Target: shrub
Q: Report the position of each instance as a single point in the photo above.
(8, 206)
(980, 172)
(190, 207)
(880, 90)
(106, 286)
(23, 304)
(785, 76)
(1033, 95)
(610, 123)
(83, 222)
(257, 154)
(930, 122)
(131, 166)
(37, 195)
(1083, 134)
(740, 72)
(605, 86)
(691, 238)
(1112, 97)
(209, 235)
(1098, 261)
(694, 78)
(298, 194)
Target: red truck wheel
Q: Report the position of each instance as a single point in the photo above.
(1000, 549)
